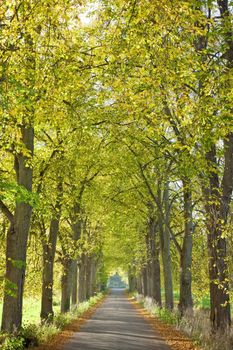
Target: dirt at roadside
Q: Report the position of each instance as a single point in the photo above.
(173, 337)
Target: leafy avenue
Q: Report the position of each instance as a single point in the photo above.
(116, 148)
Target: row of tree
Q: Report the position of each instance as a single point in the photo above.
(169, 78)
(117, 149)
(50, 156)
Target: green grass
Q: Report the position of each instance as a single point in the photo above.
(166, 316)
(204, 303)
(31, 309)
(176, 295)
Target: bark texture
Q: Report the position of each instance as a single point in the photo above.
(66, 286)
(93, 275)
(74, 282)
(186, 301)
(17, 238)
(217, 208)
(132, 279)
(155, 262)
(144, 282)
(49, 249)
(218, 198)
(166, 251)
(76, 230)
(82, 279)
(88, 277)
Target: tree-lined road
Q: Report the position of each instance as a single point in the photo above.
(116, 325)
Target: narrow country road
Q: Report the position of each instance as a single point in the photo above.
(116, 325)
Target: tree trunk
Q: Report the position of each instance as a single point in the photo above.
(217, 208)
(82, 280)
(17, 238)
(139, 284)
(77, 230)
(186, 301)
(155, 265)
(66, 285)
(47, 277)
(149, 279)
(93, 276)
(165, 250)
(148, 263)
(49, 249)
(218, 198)
(132, 279)
(144, 282)
(88, 277)
(74, 294)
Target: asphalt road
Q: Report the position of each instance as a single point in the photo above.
(116, 325)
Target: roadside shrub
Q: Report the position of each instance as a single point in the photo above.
(62, 320)
(46, 332)
(13, 343)
(167, 316)
(2, 338)
(56, 303)
(29, 334)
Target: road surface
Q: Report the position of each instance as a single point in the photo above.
(116, 325)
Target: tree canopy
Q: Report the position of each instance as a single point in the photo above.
(116, 148)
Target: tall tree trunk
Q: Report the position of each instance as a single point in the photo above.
(77, 230)
(66, 285)
(82, 280)
(17, 238)
(88, 277)
(47, 276)
(155, 264)
(148, 263)
(49, 249)
(144, 282)
(93, 276)
(132, 279)
(74, 294)
(217, 207)
(139, 284)
(186, 301)
(218, 198)
(165, 250)
(149, 279)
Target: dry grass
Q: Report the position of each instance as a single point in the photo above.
(197, 326)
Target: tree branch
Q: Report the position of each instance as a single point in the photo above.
(173, 237)
(6, 212)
